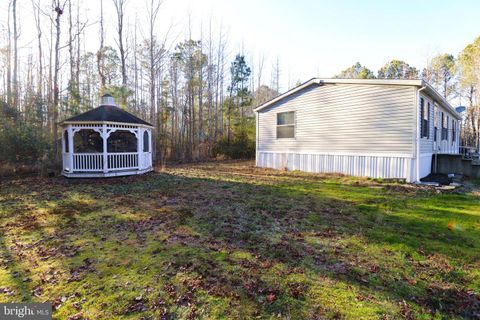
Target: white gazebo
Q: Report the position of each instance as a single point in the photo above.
(106, 141)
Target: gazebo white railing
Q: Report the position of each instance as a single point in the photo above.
(106, 148)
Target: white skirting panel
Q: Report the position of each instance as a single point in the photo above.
(425, 165)
(373, 166)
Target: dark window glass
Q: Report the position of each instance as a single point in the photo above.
(122, 141)
(285, 132)
(444, 126)
(285, 118)
(146, 143)
(424, 119)
(87, 141)
(447, 120)
(428, 120)
(65, 138)
(454, 130)
(422, 111)
(286, 125)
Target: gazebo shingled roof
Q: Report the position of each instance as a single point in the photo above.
(109, 114)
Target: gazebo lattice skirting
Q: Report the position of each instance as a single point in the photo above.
(106, 141)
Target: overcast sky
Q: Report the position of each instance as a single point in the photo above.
(310, 37)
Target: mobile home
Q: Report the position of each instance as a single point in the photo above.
(375, 128)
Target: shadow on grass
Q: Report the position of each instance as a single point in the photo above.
(273, 223)
(17, 272)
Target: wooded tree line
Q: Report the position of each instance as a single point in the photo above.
(195, 91)
(198, 97)
(457, 78)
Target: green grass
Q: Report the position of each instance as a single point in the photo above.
(227, 240)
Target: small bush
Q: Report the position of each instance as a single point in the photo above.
(242, 143)
(21, 144)
(237, 148)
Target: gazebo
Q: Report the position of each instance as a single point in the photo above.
(106, 141)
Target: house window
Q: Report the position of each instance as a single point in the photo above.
(454, 130)
(286, 125)
(435, 123)
(447, 127)
(425, 119)
(444, 126)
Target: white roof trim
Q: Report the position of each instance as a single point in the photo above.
(288, 93)
(63, 123)
(397, 82)
(417, 83)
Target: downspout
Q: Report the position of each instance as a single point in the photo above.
(417, 120)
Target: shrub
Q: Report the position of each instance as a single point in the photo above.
(238, 148)
(21, 143)
(241, 145)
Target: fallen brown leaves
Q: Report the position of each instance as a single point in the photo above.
(77, 273)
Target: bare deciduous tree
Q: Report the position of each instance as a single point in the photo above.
(120, 6)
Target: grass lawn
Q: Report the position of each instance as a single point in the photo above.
(227, 240)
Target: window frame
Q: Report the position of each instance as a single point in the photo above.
(444, 126)
(454, 131)
(425, 118)
(447, 133)
(293, 124)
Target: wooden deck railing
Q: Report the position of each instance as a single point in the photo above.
(93, 162)
(469, 152)
(87, 162)
(120, 161)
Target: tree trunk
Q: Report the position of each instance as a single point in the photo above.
(77, 61)
(9, 60)
(36, 8)
(15, 56)
(36, 11)
(120, 8)
(100, 61)
(71, 81)
(56, 97)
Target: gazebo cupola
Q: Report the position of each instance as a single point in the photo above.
(106, 141)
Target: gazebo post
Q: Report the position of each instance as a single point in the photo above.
(70, 146)
(140, 147)
(150, 146)
(105, 156)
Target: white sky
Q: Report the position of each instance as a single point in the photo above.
(310, 37)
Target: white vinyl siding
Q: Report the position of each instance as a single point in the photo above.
(344, 118)
(443, 145)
